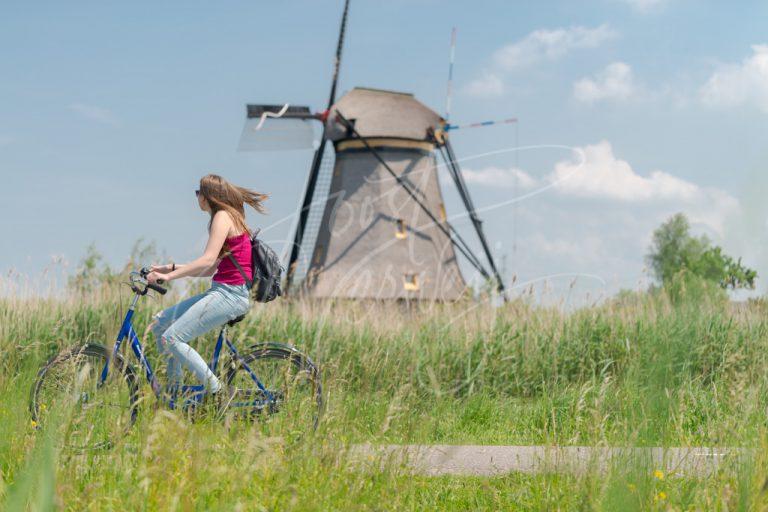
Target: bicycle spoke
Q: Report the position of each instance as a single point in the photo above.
(292, 400)
(94, 412)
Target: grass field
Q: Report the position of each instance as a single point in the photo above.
(634, 372)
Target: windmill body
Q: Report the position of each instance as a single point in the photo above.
(375, 241)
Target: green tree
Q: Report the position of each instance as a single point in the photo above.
(675, 250)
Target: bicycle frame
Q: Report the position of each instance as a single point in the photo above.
(127, 332)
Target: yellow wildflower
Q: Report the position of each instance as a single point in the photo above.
(659, 474)
(661, 496)
(33, 423)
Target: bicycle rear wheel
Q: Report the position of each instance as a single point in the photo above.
(92, 414)
(291, 380)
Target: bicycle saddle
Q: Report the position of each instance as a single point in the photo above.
(235, 320)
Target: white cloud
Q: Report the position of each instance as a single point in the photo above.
(487, 86)
(601, 175)
(644, 6)
(615, 82)
(740, 84)
(539, 45)
(596, 173)
(552, 44)
(498, 177)
(94, 113)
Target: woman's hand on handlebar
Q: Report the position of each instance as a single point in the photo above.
(155, 277)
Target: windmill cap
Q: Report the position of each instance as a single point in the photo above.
(380, 113)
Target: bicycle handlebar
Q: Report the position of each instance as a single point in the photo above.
(144, 272)
(158, 289)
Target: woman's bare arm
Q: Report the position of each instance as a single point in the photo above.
(206, 264)
(170, 267)
(166, 269)
(210, 270)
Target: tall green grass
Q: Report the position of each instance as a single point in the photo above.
(640, 371)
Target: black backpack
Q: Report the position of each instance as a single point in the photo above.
(267, 271)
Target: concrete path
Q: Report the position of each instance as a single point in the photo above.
(478, 460)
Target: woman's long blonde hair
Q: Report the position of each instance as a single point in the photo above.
(223, 195)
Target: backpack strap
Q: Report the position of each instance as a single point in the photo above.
(237, 265)
(242, 272)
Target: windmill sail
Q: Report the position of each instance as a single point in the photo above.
(277, 127)
(314, 171)
(315, 215)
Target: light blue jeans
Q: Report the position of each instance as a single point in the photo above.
(177, 325)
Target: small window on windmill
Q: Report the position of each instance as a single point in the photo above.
(401, 230)
(411, 282)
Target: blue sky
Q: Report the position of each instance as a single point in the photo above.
(110, 113)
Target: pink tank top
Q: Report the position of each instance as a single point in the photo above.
(240, 247)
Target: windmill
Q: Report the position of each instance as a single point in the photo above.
(372, 223)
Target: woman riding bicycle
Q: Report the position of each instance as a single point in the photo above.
(227, 298)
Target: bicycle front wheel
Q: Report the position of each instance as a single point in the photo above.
(69, 391)
(292, 400)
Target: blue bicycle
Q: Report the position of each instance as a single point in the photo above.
(273, 382)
